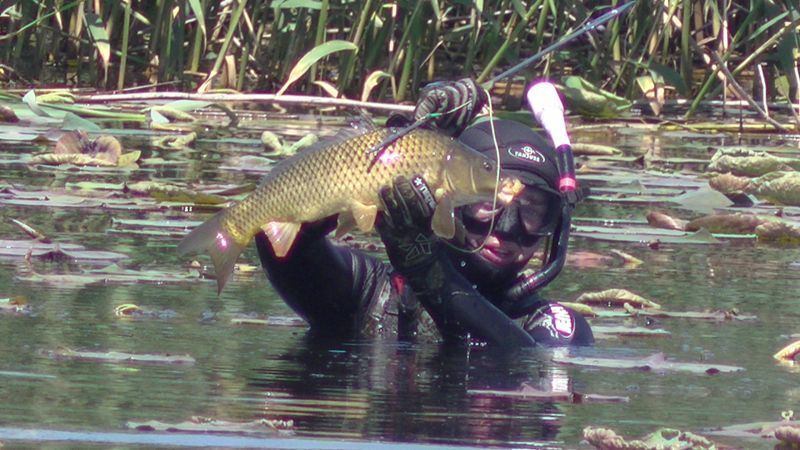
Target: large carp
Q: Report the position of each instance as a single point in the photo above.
(340, 177)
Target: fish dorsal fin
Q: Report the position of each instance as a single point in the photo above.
(364, 215)
(281, 235)
(443, 222)
(345, 223)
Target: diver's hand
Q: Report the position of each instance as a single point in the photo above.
(405, 227)
(457, 102)
(318, 229)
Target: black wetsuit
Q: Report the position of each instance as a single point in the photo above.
(348, 294)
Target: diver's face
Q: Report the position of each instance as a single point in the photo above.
(518, 228)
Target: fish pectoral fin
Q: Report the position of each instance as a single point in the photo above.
(443, 222)
(345, 223)
(281, 235)
(364, 215)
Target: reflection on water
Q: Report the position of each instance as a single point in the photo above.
(338, 393)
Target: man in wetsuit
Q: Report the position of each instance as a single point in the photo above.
(472, 289)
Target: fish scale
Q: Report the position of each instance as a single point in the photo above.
(340, 178)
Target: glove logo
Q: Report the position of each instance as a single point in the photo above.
(424, 191)
(421, 246)
(526, 153)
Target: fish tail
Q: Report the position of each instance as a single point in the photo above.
(213, 237)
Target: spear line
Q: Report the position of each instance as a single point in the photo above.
(561, 42)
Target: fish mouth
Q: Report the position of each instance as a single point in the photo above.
(511, 188)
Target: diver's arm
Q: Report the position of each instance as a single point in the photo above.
(458, 309)
(316, 279)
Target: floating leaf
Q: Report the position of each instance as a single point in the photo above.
(175, 141)
(30, 100)
(727, 223)
(171, 114)
(586, 99)
(75, 122)
(169, 192)
(15, 305)
(665, 438)
(56, 251)
(207, 425)
(279, 321)
(7, 114)
(528, 392)
(602, 331)
(654, 363)
(272, 143)
(788, 353)
(743, 162)
(584, 149)
(311, 58)
(778, 187)
(132, 310)
(616, 297)
(665, 221)
(112, 274)
(119, 357)
(728, 183)
(779, 232)
(76, 159)
(306, 141)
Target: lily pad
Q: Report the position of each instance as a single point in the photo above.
(56, 251)
(587, 99)
(743, 162)
(119, 357)
(528, 392)
(778, 187)
(616, 297)
(605, 332)
(727, 223)
(208, 425)
(654, 363)
(111, 274)
(665, 438)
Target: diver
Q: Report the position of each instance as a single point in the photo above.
(475, 288)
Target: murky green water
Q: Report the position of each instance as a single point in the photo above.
(340, 393)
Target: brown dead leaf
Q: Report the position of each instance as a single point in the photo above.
(616, 298)
(665, 221)
(729, 184)
(726, 223)
(789, 353)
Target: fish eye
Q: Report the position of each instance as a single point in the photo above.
(487, 166)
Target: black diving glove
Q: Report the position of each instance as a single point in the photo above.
(418, 255)
(405, 228)
(453, 104)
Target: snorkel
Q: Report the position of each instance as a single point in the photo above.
(549, 112)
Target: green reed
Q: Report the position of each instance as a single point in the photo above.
(191, 44)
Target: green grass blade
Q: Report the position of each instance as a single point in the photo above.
(314, 55)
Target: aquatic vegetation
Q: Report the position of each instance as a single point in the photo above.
(616, 297)
(607, 439)
(118, 357)
(789, 353)
(208, 425)
(692, 50)
(654, 363)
